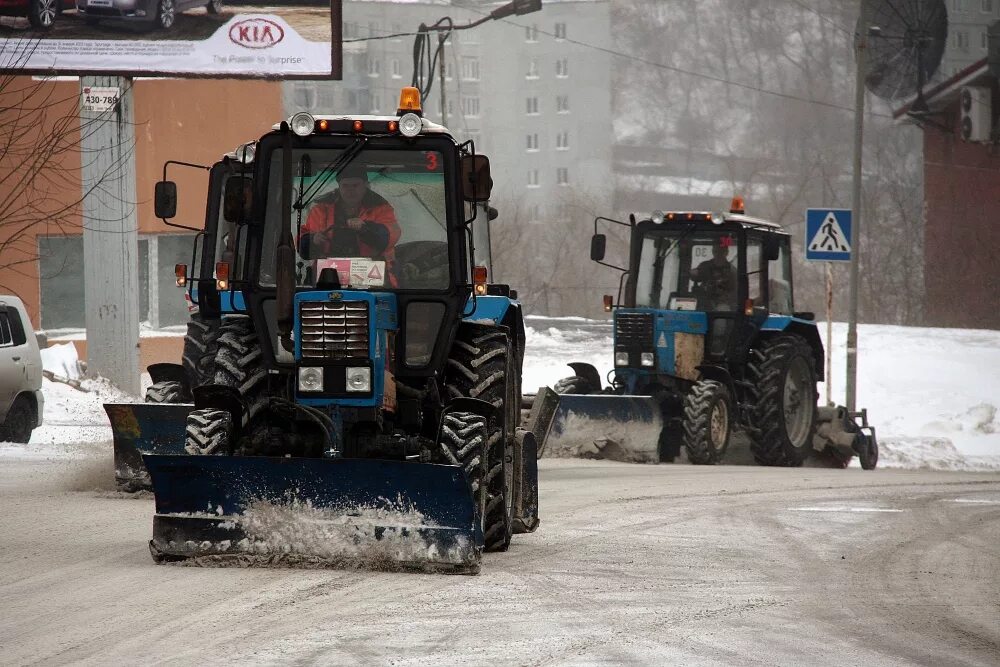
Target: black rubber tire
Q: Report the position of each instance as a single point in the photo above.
(208, 432)
(574, 384)
(463, 442)
(240, 364)
(214, 6)
(42, 13)
(768, 369)
(19, 422)
(167, 391)
(867, 449)
(166, 15)
(201, 344)
(706, 402)
(481, 366)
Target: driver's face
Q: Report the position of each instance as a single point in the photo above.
(353, 190)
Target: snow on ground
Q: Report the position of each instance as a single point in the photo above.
(933, 394)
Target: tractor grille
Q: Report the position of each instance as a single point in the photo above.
(334, 329)
(634, 331)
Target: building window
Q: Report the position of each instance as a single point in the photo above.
(532, 178)
(532, 69)
(396, 29)
(562, 141)
(532, 142)
(961, 41)
(562, 176)
(532, 106)
(560, 31)
(984, 40)
(448, 71)
(531, 33)
(374, 67)
(304, 97)
(470, 68)
(986, 6)
(395, 68)
(959, 5)
(468, 37)
(373, 29)
(534, 212)
(350, 30)
(470, 107)
(562, 103)
(376, 103)
(562, 68)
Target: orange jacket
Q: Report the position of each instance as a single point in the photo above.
(376, 240)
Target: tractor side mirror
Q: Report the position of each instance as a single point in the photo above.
(772, 249)
(598, 246)
(491, 213)
(165, 199)
(477, 184)
(238, 202)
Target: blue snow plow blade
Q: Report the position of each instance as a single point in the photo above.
(606, 426)
(375, 513)
(144, 428)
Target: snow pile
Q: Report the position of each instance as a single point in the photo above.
(930, 454)
(62, 360)
(387, 536)
(578, 436)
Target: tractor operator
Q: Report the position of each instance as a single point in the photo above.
(352, 221)
(716, 279)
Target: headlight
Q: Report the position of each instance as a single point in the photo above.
(247, 152)
(310, 379)
(621, 358)
(410, 125)
(646, 358)
(658, 217)
(359, 379)
(303, 124)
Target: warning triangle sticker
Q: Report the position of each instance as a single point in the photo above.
(830, 237)
(374, 273)
(663, 340)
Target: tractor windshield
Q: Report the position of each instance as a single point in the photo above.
(687, 270)
(378, 222)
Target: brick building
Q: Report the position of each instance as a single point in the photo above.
(962, 200)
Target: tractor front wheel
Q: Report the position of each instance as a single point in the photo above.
(708, 422)
(168, 391)
(208, 432)
(782, 372)
(482, 365)
(462, 441)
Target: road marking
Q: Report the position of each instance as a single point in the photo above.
(843, 509)
(975, 501)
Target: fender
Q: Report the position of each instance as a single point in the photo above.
(167, 372)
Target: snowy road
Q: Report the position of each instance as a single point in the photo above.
(632, 565)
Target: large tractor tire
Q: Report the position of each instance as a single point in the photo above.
(708, 422)
(208, 432)
(201, 345)
(782, 371)
(464, 436)
(482, 366)
(240, 364)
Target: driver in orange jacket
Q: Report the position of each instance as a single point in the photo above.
(352, 221)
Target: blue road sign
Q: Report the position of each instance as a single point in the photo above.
(828, 234)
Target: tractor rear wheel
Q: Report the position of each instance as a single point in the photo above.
(463, 443)
(200, 347)
(708, 422)
(240, 364)
(482, 366)
(208, 432)
(168, 391)
(782, 371)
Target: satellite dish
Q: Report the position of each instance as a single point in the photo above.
(906, 39)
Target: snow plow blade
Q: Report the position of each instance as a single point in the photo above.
(364, 512)
(144, 428)
(606, 426)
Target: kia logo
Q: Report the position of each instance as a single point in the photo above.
(256, 33)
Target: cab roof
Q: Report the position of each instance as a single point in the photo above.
(429, 127)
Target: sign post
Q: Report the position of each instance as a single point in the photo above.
(829, 235)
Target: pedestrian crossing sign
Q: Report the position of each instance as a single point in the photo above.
(828, 234)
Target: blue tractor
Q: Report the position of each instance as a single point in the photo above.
(368, 377)
(707, 341)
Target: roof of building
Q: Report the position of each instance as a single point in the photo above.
(941, 95)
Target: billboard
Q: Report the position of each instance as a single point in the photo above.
(186, 38)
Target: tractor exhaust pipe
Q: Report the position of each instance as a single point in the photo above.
(285, 253)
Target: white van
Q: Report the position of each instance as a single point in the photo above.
(21, 401)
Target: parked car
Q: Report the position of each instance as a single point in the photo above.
(157, 13)
(21, 400)
(41, 13)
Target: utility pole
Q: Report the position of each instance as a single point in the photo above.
(861, 50)
(110, 232)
